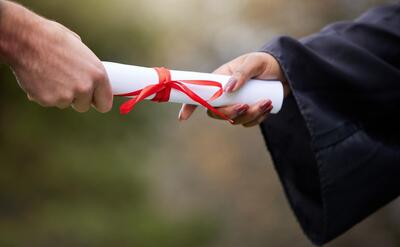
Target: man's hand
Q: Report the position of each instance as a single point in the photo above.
(50, 62)
(257, 65)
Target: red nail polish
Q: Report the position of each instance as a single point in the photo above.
(265, 105)
(269, 109)
(230, 85)
(241, 109)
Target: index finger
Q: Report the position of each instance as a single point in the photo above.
(103, 97)
(223, 70)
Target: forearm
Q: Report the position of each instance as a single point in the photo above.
(17, 25)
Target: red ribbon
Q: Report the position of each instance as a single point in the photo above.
(162, 91)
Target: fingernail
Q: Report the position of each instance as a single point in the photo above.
(241, 109)
(269, 109)
(265, 105)
(230, 85)
(180, 117)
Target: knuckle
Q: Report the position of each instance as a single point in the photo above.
(253, 115)
(257, 58)
(99, 74)
(84, 88)
(243, 74)
(46, 100)
(66, 98)
(239, 73)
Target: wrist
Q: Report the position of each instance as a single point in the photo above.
(17, 25)
(277, 70)
(285, 82)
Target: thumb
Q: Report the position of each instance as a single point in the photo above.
(251, 66)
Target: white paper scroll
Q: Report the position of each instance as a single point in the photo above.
(127, 78)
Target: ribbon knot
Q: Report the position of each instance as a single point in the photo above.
(162, 91)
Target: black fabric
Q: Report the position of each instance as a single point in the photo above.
(336, 142)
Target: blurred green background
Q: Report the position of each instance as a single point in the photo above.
(70, 179)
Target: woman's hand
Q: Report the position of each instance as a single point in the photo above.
(257, 65)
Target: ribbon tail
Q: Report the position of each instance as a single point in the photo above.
(128, 106)
(181, 87)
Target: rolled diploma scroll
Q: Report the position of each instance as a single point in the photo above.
(127, 78)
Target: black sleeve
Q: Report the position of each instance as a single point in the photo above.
(336, 142)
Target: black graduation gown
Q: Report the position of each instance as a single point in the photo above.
(336, 142)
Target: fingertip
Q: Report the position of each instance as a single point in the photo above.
(103, 108)
(108, 108)
(239, 80)
(100, 110)
(103, 98)
(186, 111)
(110, 104)
(231, 84)
(238, 85)
(265, 106)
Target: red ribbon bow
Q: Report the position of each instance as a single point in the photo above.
(163, 90)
